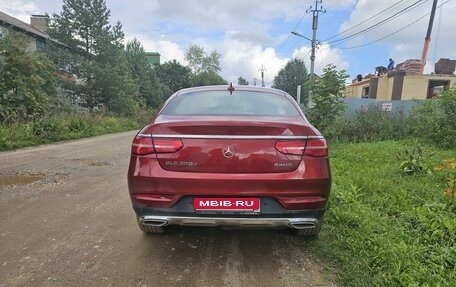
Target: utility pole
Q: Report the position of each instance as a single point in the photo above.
(262, 69)
(315, 11)
(427, 40)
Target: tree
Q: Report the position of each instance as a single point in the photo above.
(174, 75)
(28, 81)
(204, 67)
(242, 81)
(290, 77)
(199, 61)
(207, 79)
(95, 53)
(149, 87)
(326, 100)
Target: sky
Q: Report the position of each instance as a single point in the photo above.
(354, 35)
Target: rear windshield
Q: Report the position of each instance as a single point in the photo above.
(239, 103)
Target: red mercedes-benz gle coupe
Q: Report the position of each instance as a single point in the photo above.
(230, 156)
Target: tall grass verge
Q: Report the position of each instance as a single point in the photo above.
(387, 228)
(432, 121)
(67, 126)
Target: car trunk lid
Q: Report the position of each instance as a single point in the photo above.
(247, 145)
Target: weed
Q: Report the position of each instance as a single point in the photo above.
(451, 188)
(413, 160)
(47, 129)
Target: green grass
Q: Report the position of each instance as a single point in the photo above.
(384, 227)
(65, 127)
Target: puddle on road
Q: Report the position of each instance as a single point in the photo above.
(6, 180)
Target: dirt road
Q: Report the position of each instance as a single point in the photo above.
(66, 220)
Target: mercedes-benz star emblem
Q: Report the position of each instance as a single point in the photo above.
(228, 151)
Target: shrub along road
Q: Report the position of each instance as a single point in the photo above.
(67, 221)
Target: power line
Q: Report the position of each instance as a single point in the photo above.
(410, 7)
(393, 33)
(359, 24)
(282, 45)
(289, 35)
(334, 4)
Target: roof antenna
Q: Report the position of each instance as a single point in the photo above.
(231, 88)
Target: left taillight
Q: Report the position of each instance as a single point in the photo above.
(312, 147)
(316, 148)
(143, 145)
(290, 147)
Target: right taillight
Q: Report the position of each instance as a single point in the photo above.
(290, 147)
(316, 147)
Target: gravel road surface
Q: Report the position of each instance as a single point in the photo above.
(66, 220)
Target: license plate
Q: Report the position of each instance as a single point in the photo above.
(227, 204)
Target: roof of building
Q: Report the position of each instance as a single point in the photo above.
(153, 57)
(18, 24)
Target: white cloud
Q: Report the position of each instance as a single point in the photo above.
(245, 59)
(324, 55)
(22, 9)
(168, 50)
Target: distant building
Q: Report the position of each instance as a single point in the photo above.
(403, 83)
(35, 32)
(153, 58)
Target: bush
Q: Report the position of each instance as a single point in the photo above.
(66, 126)
(371, 124)
(435, 120)
(77, 124)
(432, 121)
(47, 130)
(28, 83)
(326, 101)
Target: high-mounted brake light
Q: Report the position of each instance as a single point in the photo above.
(142, 145)
(316, 148)
(290, 147)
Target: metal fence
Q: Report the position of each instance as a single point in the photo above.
(354, 105)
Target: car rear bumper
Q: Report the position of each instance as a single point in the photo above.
(296, 223)
(271, 215)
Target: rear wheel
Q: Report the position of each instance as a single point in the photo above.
(310, 232)
(149, 229)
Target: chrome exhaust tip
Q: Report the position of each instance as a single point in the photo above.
(303, 224)
(154, 222)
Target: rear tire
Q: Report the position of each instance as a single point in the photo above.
(310, 232)
(149, 229)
